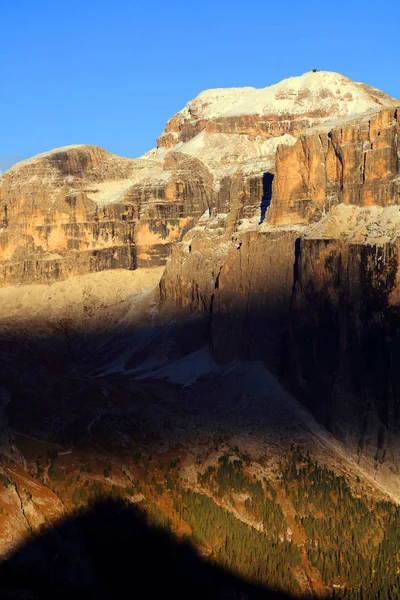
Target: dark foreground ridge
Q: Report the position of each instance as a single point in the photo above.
(109, 550)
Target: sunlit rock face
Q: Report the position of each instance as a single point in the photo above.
(356, 162)
(81, 209)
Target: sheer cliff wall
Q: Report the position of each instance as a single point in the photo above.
(314, 291)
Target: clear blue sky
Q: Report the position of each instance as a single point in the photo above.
(112, 72)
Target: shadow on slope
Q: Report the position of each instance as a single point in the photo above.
(337, 352)
(109, 550)
(57, 384)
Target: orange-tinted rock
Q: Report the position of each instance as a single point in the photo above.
(266, 127)
(82, 209)
(356, 163)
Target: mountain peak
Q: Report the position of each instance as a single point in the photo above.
(295, 95)
(313, 97)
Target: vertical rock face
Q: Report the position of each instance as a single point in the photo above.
(251, 302)
(354, 163)
(343, 351)
(343, 338)
(319, 305)
(241, 281)
(165, 216)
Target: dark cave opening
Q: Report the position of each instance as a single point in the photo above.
(268, 178)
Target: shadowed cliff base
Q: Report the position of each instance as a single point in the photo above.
(156, 385)
(109, 550)
(59, 375)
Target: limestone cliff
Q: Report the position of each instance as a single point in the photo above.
(356, 162)
(342, 352)
(80, 209)
(319, 305)
(312, 290)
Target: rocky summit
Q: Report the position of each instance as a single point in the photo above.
(220, 332)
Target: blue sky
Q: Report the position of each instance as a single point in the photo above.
(112, 73)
